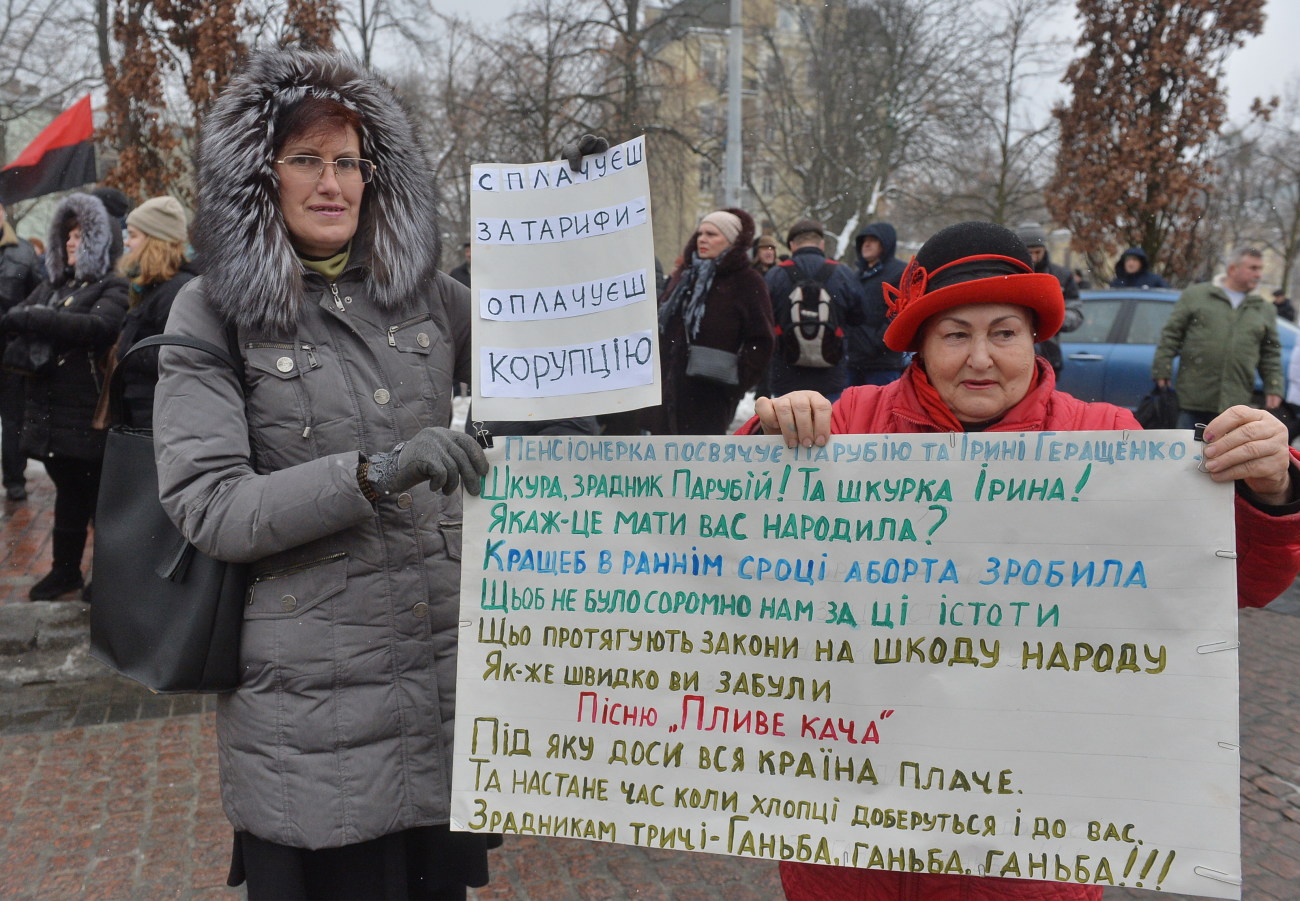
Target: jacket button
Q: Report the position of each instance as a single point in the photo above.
(288, 602)
(404, 500)
(381, 396)
(421, 610)
(422, 339)
(284, 364)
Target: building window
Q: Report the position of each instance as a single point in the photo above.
(709, 64)
(766, 181)
(787, 19)
(707, 176)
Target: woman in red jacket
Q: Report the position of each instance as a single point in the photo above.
(971, 307)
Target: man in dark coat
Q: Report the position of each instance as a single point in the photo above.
(1133, 270)
(807, 242)
(20, 274)
(1285, 309)
(1035, 240)
(870, 362)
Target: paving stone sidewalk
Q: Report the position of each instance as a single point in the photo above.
(110, 792)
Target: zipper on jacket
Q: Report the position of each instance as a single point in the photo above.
(338, 301)
(288, 571)
(278, 345)
(310, 351)
(394, 329)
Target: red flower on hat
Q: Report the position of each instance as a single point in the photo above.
(911, 286)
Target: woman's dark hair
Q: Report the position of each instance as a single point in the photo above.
(313, 115)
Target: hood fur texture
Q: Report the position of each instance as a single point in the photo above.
(95, 255)
(252, 274)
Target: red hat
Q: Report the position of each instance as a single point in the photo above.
(972, 262)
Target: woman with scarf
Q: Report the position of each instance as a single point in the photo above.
(970, 307)
(715, 329)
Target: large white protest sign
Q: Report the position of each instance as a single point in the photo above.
(1011, 655)
(564, 288)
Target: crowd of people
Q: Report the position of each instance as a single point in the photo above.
(333, 471)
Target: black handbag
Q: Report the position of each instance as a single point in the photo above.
(163, 613)
(721, 366)
(1159, 409)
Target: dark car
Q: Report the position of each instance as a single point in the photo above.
(1108, 358)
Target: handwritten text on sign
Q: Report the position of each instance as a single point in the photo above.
(563, 287)
(993, 655)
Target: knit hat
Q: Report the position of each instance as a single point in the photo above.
(971, 262)
(727, 223)
(114, 201)
(765, 241)
(162, 218)
(1031, 234)
(803, 227)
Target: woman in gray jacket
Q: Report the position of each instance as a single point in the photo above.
(334, 476)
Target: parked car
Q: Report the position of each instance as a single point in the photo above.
(1108, 358)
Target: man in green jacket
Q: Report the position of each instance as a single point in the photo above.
(1223, 334)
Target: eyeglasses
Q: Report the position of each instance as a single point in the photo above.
(346, 169)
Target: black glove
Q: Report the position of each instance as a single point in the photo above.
(586, 145)
(441, 456)
(29, 317)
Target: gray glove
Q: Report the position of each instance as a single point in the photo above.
(586, 145)
(441, 456)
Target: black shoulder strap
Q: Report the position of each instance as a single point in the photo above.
(115, 381)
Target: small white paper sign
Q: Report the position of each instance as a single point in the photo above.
(1010, 655)
(563, 288)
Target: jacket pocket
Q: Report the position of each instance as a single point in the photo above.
(413, 336)
(295, 591)
(452, 535)
(279, 401)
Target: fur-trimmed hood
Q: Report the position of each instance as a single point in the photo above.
(737, 256)
(253, 276)
(95, 255)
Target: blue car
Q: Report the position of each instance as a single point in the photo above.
(1108, 358)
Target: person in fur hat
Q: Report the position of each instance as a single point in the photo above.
(72, 321)
(335, 476)
(715, 329)
(970, 307)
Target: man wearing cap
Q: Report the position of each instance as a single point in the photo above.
(1035, 240)
(20, 273)
(807, 242)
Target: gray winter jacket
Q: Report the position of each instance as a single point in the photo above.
(341, 728)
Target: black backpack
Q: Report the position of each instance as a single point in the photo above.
(808, 329)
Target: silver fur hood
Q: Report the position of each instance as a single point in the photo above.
(95, 255)
(252, 274)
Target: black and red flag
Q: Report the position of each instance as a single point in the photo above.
(61, 157)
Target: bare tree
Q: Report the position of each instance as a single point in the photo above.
(854, 96)
(47, 58)
(997, 159)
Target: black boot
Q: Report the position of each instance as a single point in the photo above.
(60, 581)
(65, 576)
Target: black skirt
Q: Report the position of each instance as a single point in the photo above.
(428, 863)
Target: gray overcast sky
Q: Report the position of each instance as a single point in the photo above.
(1262, 68)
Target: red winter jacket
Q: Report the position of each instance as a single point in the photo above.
(1268, 558)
